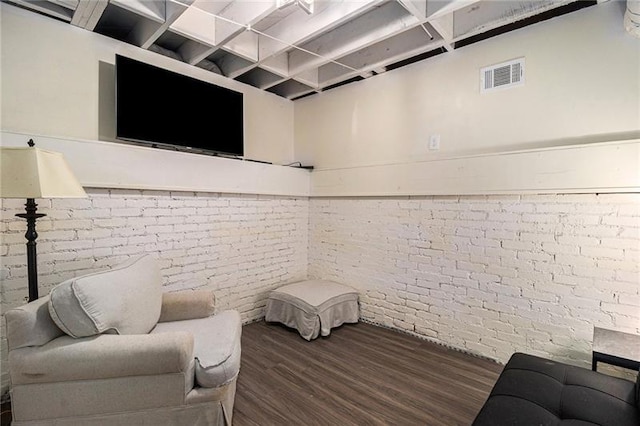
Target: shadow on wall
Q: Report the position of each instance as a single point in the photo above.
(106, 102)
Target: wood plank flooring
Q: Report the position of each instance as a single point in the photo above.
(360, 375)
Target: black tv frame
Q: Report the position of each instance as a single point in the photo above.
(235, 149)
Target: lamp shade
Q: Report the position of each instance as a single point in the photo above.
(36, 173)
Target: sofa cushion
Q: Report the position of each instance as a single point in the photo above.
(124, 300)
(533, 390)
(216, 346)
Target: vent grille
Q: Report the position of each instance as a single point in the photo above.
(502, 76)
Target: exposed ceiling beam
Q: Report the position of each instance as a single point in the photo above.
(417, 8)
(230, 22)
(277, 64)
(297, 28)
(375, 58)
(378, 24)
(245, 14)
(199, 27)
(309, 77)
(487, 15)
(69, 4)
(47, 8)
(212, 6)
(444, 26)
(150, 9)
(436, 9)
(146, 32)
(88, 13)
(289, 52)
(245, 46)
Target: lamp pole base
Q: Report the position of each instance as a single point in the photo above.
(31, 235)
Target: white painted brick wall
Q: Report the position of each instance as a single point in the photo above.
(240, 246)
(489, 274)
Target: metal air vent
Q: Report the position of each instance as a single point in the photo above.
(502, 76)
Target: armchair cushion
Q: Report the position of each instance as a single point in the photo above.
(216, 346)
(124, 300)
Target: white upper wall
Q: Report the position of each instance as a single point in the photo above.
(582, 85)
(58, 80)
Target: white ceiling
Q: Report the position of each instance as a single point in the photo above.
(287, 51)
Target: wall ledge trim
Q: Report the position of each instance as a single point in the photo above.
(604, 167)
(115, 165)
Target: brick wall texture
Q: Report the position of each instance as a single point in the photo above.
(487, 274)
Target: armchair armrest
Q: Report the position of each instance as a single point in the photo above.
(101, 357)
(187, 304)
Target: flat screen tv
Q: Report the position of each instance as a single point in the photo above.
(166, 109)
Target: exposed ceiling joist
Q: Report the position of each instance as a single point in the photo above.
(298, 28)
(48, 8)
(69, 4)
(378, 24)
(146, 32)
(278, 46)
(88, 13)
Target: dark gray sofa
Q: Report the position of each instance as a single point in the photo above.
(538, 391)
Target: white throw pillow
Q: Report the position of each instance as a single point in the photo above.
(124, 300)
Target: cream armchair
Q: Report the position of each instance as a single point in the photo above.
(111, 349)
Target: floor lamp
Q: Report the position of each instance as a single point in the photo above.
(35, 173)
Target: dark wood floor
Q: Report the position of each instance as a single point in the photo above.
(360, 375)
(5, 416)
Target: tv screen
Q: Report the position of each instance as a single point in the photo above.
(158, 106)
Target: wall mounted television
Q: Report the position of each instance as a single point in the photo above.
(165, 109)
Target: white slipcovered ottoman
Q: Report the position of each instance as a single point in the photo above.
(313, 307)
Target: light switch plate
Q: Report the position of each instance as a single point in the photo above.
(434, 142)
